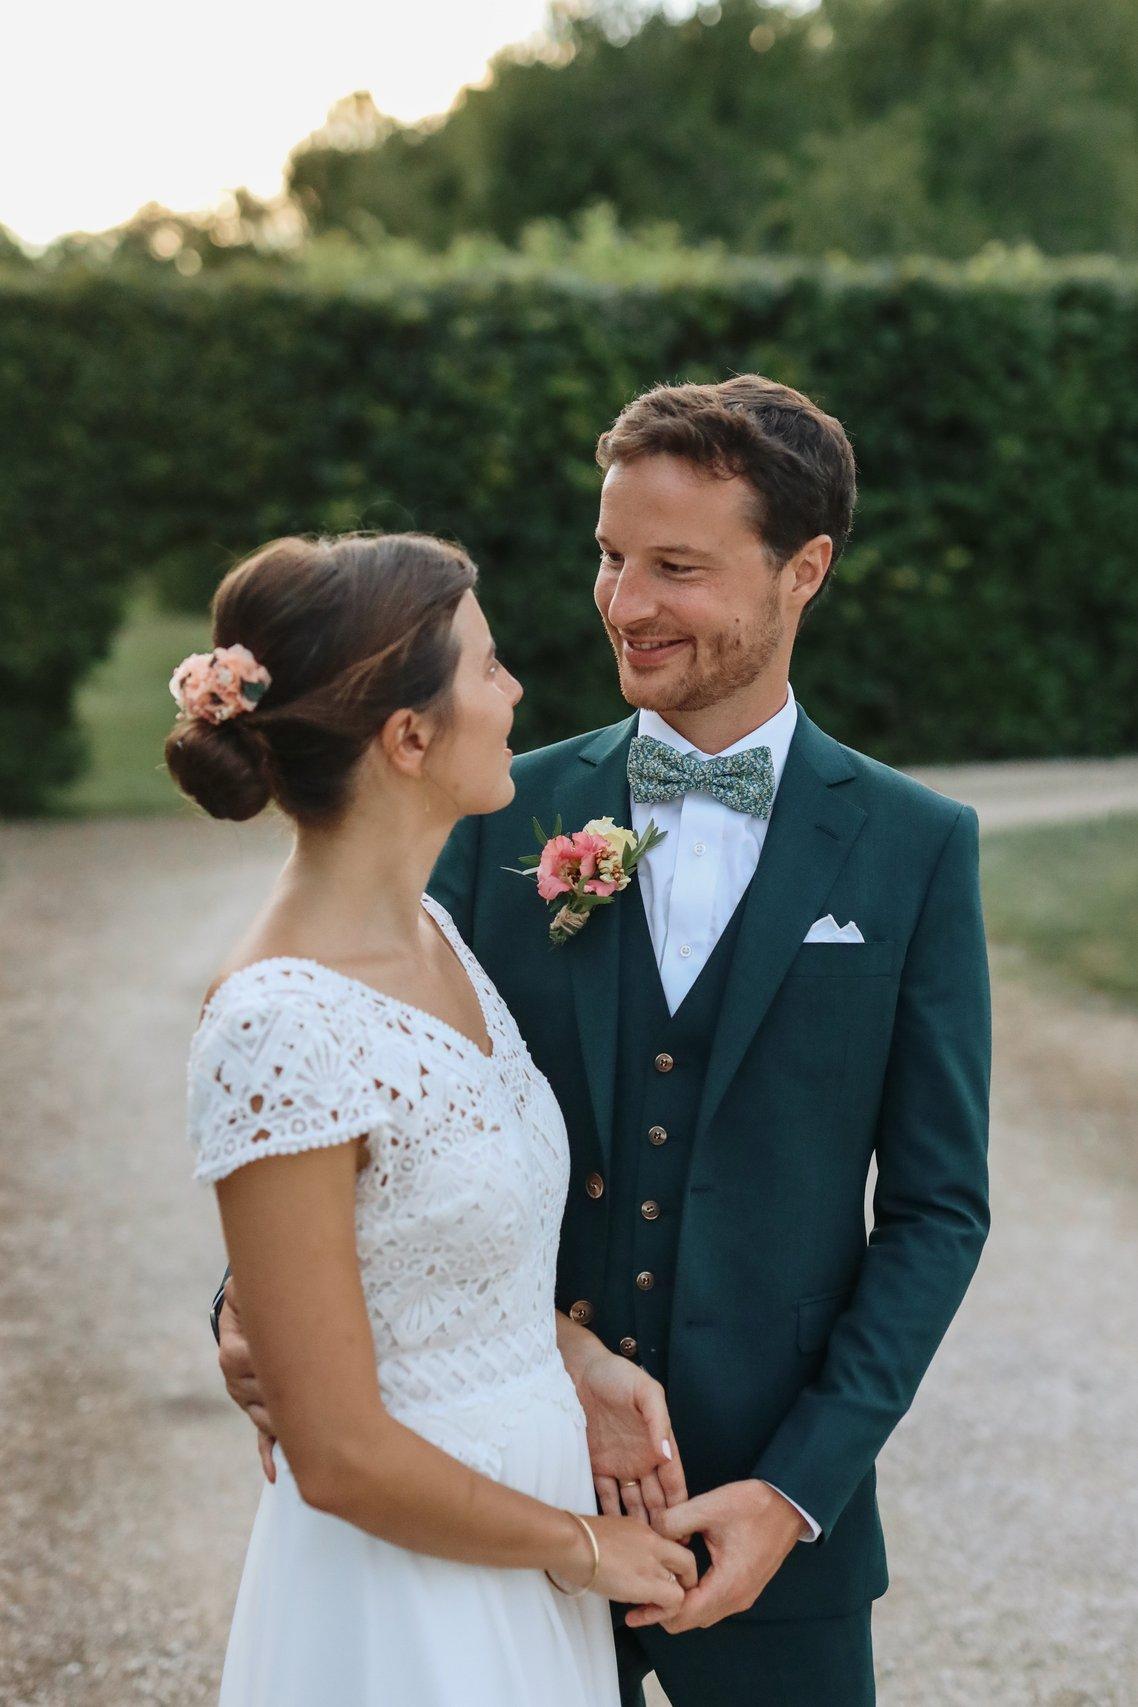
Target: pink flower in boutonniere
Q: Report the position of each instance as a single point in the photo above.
(589, 868)
(583, 858)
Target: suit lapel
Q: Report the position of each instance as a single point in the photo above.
(598, 788)
(811, 831)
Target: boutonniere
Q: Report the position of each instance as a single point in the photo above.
(589, 868)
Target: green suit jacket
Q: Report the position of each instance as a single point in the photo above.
(796, 1343)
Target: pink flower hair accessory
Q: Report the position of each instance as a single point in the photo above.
(218, 685)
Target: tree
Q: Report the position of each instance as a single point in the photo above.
(866, 126)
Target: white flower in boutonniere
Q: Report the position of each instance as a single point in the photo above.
(581, 872)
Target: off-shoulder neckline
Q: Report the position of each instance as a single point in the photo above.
(384, 997)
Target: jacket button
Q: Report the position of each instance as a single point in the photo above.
(646, 1280)
(650, 1210)
(581, 1311)
(628, 1346)
(664, 1063)
(595, 1185)
(657, 1135)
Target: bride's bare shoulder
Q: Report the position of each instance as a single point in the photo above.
(262, 942)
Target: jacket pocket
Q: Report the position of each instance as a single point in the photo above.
(843, 960)
(816, 1316)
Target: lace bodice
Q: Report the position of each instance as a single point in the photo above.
(459, 1205)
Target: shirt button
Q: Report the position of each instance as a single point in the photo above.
(646, 1280)
(595, 1185)
(628, 1346)
(650, 1210)
(685, 951)
(581, 1311)
(657, 1135)
(664, 1063)
(699, 848)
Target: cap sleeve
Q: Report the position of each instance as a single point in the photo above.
(284, 1060)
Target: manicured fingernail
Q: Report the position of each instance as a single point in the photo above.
(666, 1449)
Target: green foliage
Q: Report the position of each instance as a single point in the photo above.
(239, 231)
(1067, 896)
(986, 606)
(860, 127)
(125, 711)
(13, 256)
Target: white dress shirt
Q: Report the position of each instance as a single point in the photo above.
(692, 881)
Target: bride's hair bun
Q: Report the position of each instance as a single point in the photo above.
(345, 631)
(223, 766)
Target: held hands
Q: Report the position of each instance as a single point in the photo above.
(749, 1529)
(637, 1566)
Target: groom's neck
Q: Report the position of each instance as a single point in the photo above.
(713, 728)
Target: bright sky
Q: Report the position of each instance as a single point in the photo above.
(110, 105)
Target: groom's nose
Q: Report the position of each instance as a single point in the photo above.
(633, 601)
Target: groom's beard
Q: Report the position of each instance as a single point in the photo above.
(720, 665)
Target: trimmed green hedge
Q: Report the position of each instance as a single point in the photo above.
(987, 605)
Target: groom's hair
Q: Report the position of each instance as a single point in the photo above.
(796, 458)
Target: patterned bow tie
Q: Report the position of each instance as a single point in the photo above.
(742, 781)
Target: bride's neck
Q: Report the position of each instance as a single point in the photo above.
(355, 888)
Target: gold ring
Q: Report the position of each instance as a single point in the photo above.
(633, 1484)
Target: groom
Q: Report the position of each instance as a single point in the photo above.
(798, 988)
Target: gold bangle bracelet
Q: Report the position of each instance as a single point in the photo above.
(573, 1593)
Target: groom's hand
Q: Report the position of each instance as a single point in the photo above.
(749, 1529)
(241, 1379)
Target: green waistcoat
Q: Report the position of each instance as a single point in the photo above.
(661, 1067)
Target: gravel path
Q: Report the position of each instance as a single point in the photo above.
(127, 1481)
(1039, 791)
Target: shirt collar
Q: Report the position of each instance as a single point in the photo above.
(776, 733)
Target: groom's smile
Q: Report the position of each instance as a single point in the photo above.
(650, 654)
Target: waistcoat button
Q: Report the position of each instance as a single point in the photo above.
(664, 1063)
(595, 1185)
(581, 1311)
(650, 1210)
(646, 1280)
(628, 1346)
(657, 1135)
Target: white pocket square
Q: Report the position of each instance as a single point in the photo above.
(828, 930)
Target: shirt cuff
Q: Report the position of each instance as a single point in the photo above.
(815, 1528)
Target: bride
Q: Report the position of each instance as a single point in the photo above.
(388, 1160)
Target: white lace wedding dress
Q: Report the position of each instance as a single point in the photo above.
(457, 1217)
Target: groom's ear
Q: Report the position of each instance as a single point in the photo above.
(808, 569)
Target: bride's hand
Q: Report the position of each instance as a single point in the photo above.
(632, 1449)
(638, 1567)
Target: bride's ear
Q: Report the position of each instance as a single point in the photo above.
(403, 741)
